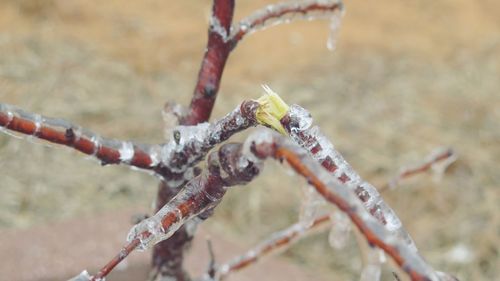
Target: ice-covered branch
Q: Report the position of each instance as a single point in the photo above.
(279, 241)
(282, 240)
(168, 255)
(298, 123)
(287, 12)
(226, 167)
(341, 193)
(187, 145)
(438, 160)
(58, 131)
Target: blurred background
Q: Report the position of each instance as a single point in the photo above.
(405, 78)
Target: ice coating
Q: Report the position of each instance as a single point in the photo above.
(192, 200)
(321, 149)
(334, 28)
(187, 145)
(83, 276)
(343, 194)
(54, 130)
(126, 152)
(285, 12)
(217, 27)
(303, 117)
(310, 205)
(277, 242)
(340, 230)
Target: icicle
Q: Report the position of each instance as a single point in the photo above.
(334, 27)
(373, 258)
(83, 276)
(340, 231)
(310, 205)
(371, 272)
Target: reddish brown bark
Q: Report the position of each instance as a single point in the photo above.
(212, 66)
(168, 254)
(106, 155)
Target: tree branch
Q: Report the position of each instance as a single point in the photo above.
(283, 239)
(443, 156)
(297, 123)
(278, 241)
(285, 12)
(187, 146)
(212, 66)
(334, 190)
(199, 195)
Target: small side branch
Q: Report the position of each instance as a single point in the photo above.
(284, 13)
(443, 156)
(277, 242)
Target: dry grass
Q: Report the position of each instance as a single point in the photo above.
(406, 78)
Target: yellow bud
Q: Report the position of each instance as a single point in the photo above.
(272, 108)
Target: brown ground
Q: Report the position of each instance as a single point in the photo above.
(406, 77)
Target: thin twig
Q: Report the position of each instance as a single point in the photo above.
(283, 13)
(445, 156)
(278, 241)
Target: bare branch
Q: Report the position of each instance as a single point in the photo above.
(285, 12)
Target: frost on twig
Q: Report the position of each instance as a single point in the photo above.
(287, 12)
